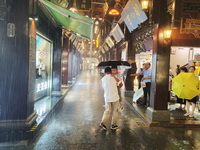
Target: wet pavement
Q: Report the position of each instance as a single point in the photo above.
(75, 126)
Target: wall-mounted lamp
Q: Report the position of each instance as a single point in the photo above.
(30, 18)
(145, 4)
(33, 17)
(113, 12)
(167, 35)
(36, 19)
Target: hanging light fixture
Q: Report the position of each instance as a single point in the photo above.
(113, 12)
(145, 4)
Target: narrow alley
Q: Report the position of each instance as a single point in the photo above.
(76, 126)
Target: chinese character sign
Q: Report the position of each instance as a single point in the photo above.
(133, 14)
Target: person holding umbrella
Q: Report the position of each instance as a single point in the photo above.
(182, 101)
(119, 85)
(191, 101)
(111, 97)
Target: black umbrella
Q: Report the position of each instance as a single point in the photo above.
(120, 64)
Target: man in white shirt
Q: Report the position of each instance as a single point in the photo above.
(111, 96)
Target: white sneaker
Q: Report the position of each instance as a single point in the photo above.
(191, 115)
(187, 114)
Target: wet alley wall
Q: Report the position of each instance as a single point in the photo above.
(14, 60)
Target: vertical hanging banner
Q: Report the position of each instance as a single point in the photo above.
(83, 4)
(124, 55)
(117, 33)
(133, 15)
(109, 41)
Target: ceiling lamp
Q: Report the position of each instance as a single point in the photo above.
(113, 12)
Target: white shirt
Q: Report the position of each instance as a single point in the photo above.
(109, 85)
(139, 70)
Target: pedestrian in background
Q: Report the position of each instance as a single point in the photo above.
(178, 70)
(191, 101)
(181, 101)
(146, 80)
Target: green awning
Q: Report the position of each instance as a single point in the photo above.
(71, 21)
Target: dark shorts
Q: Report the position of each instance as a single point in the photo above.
(194, 100)
(180, 100)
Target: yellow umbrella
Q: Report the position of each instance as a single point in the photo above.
(186, 85)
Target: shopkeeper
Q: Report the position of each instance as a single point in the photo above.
(146, 82)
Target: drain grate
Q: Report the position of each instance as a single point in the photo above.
(140, 124)
(84, 146)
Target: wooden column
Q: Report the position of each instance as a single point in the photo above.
(57, 55)
(65, 54)
(160, 71)
(70, 64)
(160, 66)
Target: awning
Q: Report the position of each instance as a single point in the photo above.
(71, 21)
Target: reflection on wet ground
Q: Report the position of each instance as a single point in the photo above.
(75, 126)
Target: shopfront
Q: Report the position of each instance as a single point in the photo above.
(185, 56)
(143, 45)
(43, 81)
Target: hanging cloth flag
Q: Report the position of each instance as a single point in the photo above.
(133, 15)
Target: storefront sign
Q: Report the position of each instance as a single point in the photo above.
(133, 14)
(32, 64)
(83, 4)
(10, 29)
(42, 86)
